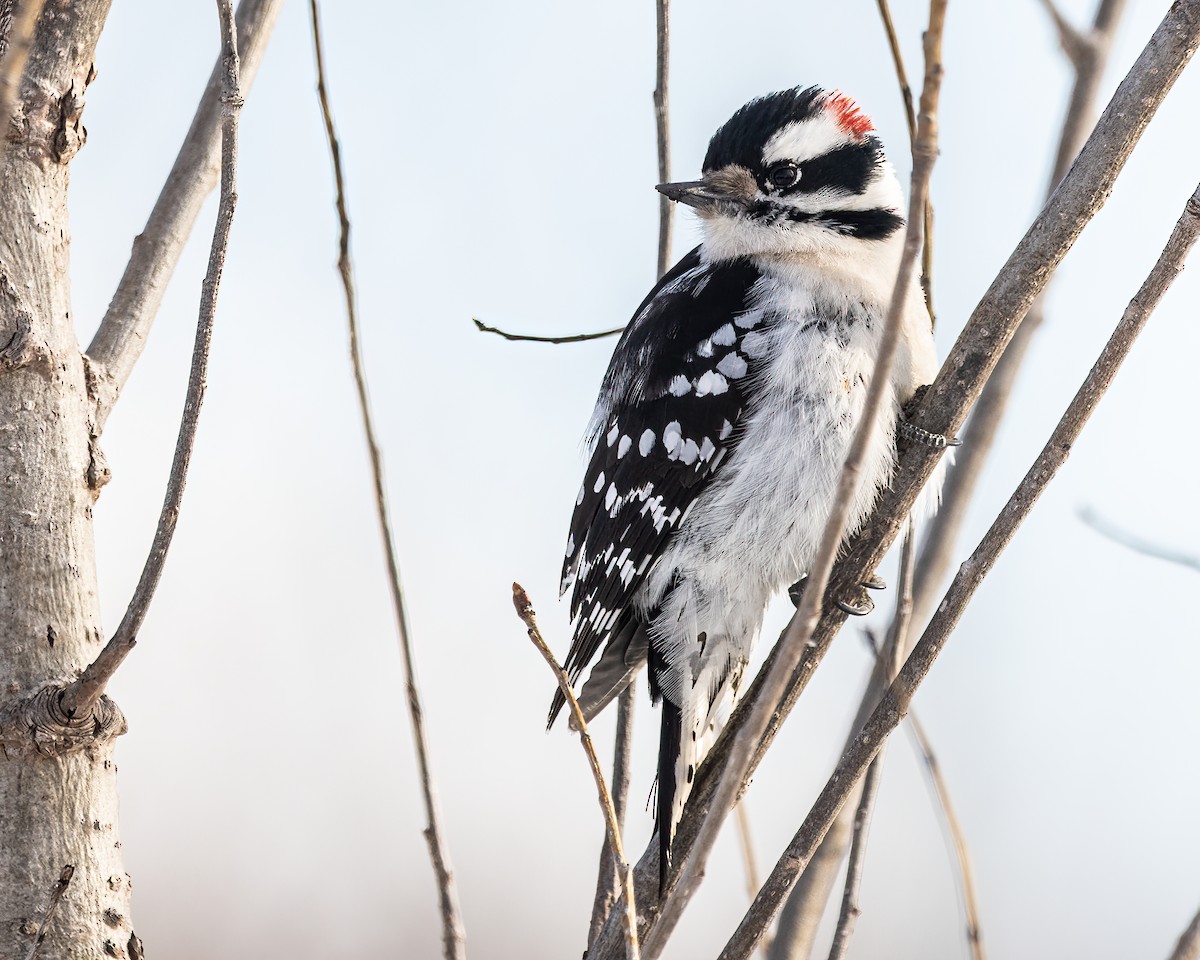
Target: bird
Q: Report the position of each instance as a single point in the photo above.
(726, 414)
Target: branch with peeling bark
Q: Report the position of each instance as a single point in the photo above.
(525, 611)
(944, 407)
(79, 698)
(896, 701)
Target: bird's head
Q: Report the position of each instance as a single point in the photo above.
(794, 172)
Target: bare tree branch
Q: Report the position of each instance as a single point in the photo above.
(529, 338)
(893, 655)
(910, 116)
(453, 935)
(1188, 947)
(1125, 538)
(60, 887)
(122, 334)
(971, 574)
(979, 436)
(944, 406)
(17, 25)
(82, 695)
(609, 881)
(1074, 43)
(529, 618)
(666, 209)
(958, 837)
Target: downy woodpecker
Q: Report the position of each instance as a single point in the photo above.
(727, 412)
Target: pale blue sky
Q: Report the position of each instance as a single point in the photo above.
(501, 162)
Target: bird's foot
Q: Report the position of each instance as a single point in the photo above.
(859, 607)
(911, 433)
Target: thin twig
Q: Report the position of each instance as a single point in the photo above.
(529, 338)
(1125, 538)
(1188, 947)
(81, 696)
(944, 407)
(453, 936)
(122, 334)
(666, 209)
(910, 117)
(893, 655)
(801, 629)
(896, 701)
(529, 618)
(958, 837)
(979, 436)
(14, 52)
(609, 881)
(56, 894)
(1073, 42)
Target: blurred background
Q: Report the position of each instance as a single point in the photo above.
(500, 162)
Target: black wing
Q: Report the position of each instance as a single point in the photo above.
(666, 420)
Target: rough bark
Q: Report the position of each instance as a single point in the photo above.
(58, 799)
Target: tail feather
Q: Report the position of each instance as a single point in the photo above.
(668, 757)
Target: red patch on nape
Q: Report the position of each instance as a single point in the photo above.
(848, 116)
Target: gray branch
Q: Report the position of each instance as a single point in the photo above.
(122, 334)
(82, 695)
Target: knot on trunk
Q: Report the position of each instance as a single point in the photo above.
(39, 725)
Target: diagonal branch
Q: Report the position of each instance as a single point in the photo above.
(122, 334)
(1134, 542)
(453, 936)
(612, 827)
(82, 695)
(944, 407)
(609, 882)
(896, 701)
(980, 434)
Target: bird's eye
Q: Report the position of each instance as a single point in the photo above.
(783, 174)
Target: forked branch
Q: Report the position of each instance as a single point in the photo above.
(81, 696)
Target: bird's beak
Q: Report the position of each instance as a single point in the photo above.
(701, 194)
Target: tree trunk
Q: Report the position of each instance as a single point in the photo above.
(58, 796)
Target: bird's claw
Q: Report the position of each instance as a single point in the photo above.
(914, 434)
(859, 608)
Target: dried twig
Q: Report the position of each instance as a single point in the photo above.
(56, 894)
(893, 655)
(945, 405)
(1188, 947)
(127, 322)
(609, 881)
(958, 838)
(529, 338)
(796, 638)
(942, 533)
(21, 17)
(82, 695)
(896, 701)
(453, 936)
(529, 618)
(1073, 42)
(910, 117)
(666, 209)
(1133, 541)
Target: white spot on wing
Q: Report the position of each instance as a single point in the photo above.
(733, 365)
(751, 318)
(646, 443)
(707, 449)
(671, 436)
(610, 497)
(679, 385)
(726, 336)
(599, 483)
(711, 382)
(726, 430)
(623, 447)
(689, 451)
(613, 433)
